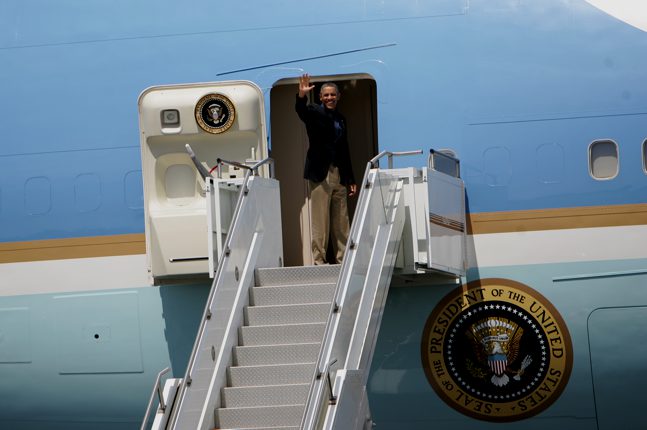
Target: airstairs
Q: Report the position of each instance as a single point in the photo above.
(278, 347)
(290, 347)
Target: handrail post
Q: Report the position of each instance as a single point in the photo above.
(160, 396)
(156, 389)
(269, 161)
(332, 397)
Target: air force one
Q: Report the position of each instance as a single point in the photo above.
(155, 270)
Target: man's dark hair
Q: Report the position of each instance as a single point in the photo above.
(329, 84)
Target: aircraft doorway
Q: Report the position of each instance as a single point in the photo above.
(289, 143)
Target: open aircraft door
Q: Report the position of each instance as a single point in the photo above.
(220, 121)
(446, 222)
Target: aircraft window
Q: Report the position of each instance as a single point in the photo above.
(87, 192)
(549, 162)
(38, 195)
(134, 195)
(645, 156)
(603, 159)
(497, 166)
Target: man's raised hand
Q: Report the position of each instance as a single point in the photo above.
(304, 85)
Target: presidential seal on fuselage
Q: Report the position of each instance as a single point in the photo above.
(215, 113)
(497, 350)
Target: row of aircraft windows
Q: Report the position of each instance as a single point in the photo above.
(87, 194)
(604, 159)
(603, 165)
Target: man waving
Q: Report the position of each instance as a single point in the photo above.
(327, 168)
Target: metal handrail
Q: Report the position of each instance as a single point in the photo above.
(269, 161)
(375, 160)
(201, 169)
(353, 238)
(355, 226)
(221, 262)
(254, 168)
(206, 173)
(315, 395)
(156, 389)
(332, 397)
(233, 163)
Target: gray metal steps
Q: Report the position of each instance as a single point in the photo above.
(305, 275)
(281, 334)
(276, 374)
(271, 428)
(276, 354)
(291, 294)
(287, 314)
(272, 416)
(274, 362)
(269, 395)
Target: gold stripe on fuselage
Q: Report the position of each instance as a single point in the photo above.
(78, 247)
(478, 223)
(557, 219)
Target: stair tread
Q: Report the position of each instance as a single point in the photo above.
(287, 314)
(297, 275)
(262, 428)
(278, 345)
(290, 305)
(275, 374)
(292, 294)
(251, 387)
(264, 416)
(277, 334)
(269, 407)
(268, 395)
(305, 286)
(275, 354)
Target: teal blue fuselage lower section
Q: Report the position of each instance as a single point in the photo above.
(604, 306)
(89, 361)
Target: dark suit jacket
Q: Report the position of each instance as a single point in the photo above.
(327, 146)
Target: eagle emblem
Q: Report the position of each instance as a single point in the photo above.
(496, 343)
(496, 350)
(215, 113)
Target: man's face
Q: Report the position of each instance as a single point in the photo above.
(329, 97)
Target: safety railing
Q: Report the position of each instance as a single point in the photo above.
(252, 240)
(361, 268)
(375, 161)
(157, 389)
(205, 173)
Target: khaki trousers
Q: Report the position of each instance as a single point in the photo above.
(329, 216)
